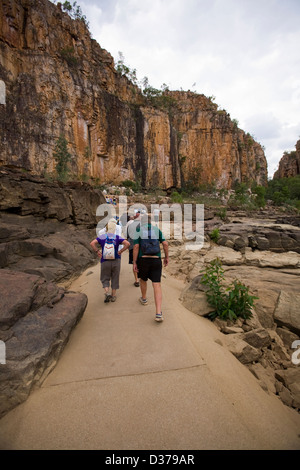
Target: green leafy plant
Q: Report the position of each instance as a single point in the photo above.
(222, 213)
(229, 302)
(136, 185)
(62, 158)
(258, 195)
(241, 197)
(213, 277)
(215, 235)
(176, 197)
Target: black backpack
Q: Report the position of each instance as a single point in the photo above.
(149, 246)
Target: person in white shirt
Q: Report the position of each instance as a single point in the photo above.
(129, 235)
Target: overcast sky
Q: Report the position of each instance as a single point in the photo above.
(245, 53)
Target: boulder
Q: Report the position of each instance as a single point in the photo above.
(50, 249)
(265, 376)
(287, 336)
(260, 234)
(36, 320)
(243, 351)
(264, 259)
(229, 330)
(265, 306)
(287, 311)
(27, 194)
(290, 378)
(228, 257)
(194, 299)
(258, 338)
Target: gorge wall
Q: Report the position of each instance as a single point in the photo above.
(289, 164)
(56, 80)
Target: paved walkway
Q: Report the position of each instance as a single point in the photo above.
(127, 382)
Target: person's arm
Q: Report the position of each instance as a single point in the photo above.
(135, 254)
(126, 245)
(166, 251)
(95, 245)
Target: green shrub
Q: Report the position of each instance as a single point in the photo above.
(222, 213)
(215, 235)
(134, 185)
(75, 12)
(128, 183)
(229, 302)
(258, 195)
(284, 191)
(176, 197)
(68, 54)
(62, 158)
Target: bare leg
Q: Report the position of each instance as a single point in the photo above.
(157, 296)
(106, 294)
(136, 279)
(143, 285)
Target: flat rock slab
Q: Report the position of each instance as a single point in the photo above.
(36, 320)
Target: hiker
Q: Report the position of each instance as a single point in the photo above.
(117, 229)
(156, 216)
(124, 219)
(130, 234)
(112, 245)
(147, 261)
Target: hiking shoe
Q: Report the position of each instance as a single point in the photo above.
(143, 301)
(113, 298)
(137, 284)
(158, 317)
(107, 298)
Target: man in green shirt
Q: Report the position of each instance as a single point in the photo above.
(147, 261)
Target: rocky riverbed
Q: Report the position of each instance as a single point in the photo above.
(268, 342)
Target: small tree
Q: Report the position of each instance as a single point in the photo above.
(259, 198)
(75, 12)
(62, 158)
(229, 302)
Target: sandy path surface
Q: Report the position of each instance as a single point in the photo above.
(127, 382)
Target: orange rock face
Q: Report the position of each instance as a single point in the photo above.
(289, 164)
(59, 81)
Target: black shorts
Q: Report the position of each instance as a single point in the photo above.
(149, 268)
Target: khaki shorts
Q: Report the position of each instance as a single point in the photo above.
(110, 273)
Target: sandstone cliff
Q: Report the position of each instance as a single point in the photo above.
(289, 164)
(57, 80)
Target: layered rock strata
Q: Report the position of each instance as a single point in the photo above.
(45, 233)
(265, 235)
(56, 80)
(46, 227)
